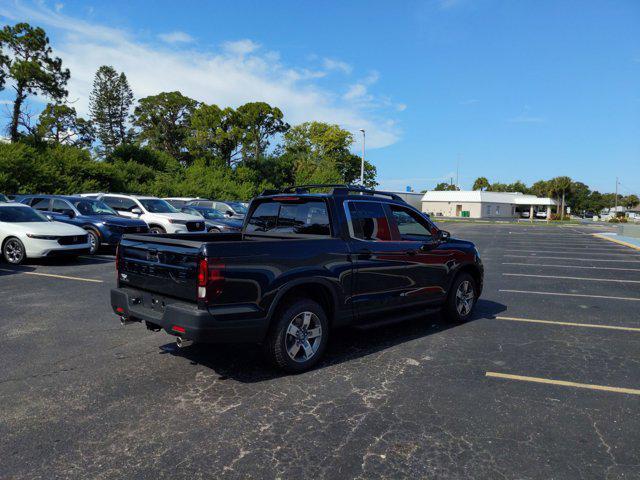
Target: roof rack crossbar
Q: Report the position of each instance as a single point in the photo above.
(336, 189)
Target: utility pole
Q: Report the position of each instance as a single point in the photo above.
(458, 172)
(362, 163)
(615, 210)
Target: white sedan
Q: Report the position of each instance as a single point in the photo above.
(27, 233)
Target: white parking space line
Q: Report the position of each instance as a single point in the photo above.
(573, 252)
(571, 278)
(571, 258)
(558, 294)
(572, 266)
(64, 277)
(563, 383)
(568, 324)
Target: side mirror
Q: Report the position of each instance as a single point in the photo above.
(229, 213)
(136, 211)
(443, 235)
(69, 213)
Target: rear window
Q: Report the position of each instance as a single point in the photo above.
(304, 218)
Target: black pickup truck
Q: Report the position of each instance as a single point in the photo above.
(305, 263)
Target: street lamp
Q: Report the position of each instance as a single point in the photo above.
(362, 163)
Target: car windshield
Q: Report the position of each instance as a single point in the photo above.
(238, 207)
(21, 215)
(156, 205)
(93, 207)
(3, 198)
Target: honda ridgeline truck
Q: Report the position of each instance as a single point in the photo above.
(303, 264)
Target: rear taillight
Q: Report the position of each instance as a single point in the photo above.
(210, 279)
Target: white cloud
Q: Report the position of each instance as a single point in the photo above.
(175, 37)
(356, 91)
(59, 6)
(332, 64)
(240, 47)
(241, 71)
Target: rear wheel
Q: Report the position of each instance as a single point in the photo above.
(462, 298)
(13, 251)
(298, 338)
(157, 230)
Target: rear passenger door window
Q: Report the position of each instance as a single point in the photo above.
(300, 217)
(60, 206)
(368, 221)
(41, 204)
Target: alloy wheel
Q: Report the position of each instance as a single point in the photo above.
(13, 251)
(304, 336)
(465, 298)
(93, 243)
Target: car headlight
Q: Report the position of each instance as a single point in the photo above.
(43, 237)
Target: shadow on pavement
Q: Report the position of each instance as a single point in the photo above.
(247, 364)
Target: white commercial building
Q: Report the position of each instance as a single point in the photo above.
(479, 204)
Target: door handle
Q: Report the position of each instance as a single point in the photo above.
(364, 253)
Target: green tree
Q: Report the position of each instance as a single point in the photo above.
(109, 104)
(163, 121)
(320, 154)
(60, 124)
(518, 186)
(260, 122)
(631, 201)
(443, 186)
(481, 183)
(31, 67)
(216, 134)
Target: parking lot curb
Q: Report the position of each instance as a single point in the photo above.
(615, 240)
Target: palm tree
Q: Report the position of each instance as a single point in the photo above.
(560, 186)
(481, 183)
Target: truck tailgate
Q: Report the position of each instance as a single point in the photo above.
(166, 267)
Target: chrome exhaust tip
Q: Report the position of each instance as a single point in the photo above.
(183, 342)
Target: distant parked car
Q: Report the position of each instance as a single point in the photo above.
(155, 212)
(179, 202)
(27, 233)
(102, 223)
(214, 220)
(3, 198)
(228, 209)
(541, 214)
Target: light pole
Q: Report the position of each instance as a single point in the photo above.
(362, 163)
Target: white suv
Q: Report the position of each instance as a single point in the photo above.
(157, 213)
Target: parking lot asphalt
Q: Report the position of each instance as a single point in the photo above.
(543, 383)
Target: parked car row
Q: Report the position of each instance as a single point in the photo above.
(101, 219)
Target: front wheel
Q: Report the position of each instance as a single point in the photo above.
(461, 300)
(213, 230)
(94, 242)
(13, 251)
(298, 338)
(157, 230)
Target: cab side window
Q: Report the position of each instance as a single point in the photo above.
(120, 204)
(410, 225)
(368, 221)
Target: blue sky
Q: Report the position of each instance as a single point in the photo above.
(510, 89)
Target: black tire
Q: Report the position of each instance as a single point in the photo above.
(213, 230)
(13, 251)
(94, 241)
(456, 310)
(157, 230)
(280, 343)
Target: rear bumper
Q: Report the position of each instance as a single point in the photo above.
(186, 320)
